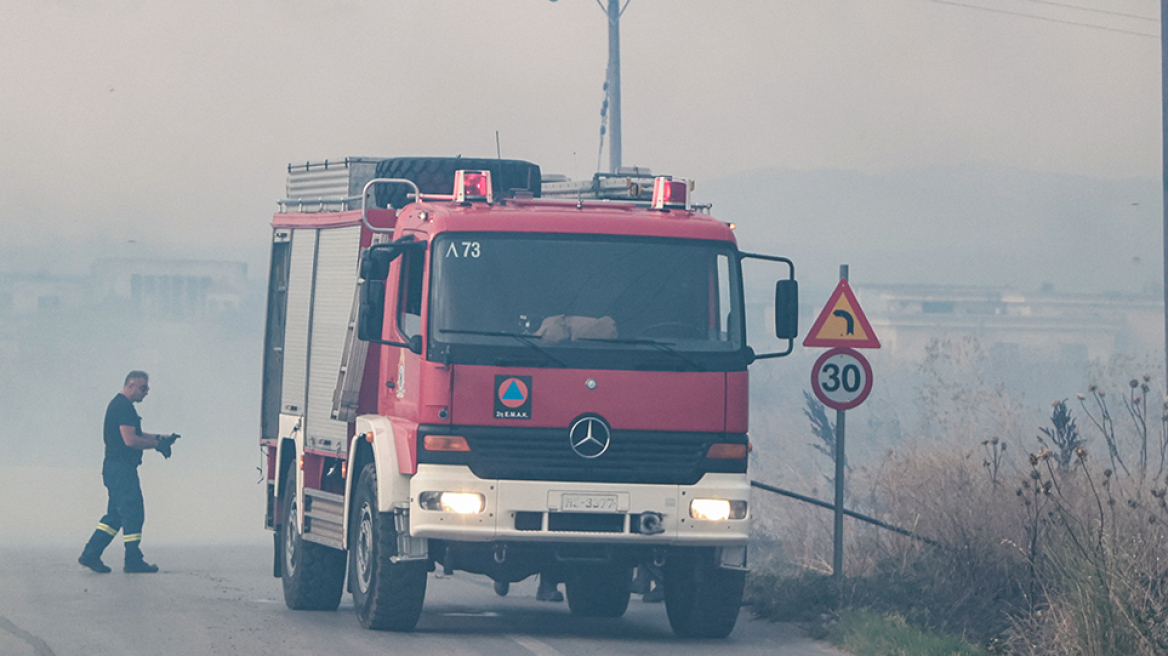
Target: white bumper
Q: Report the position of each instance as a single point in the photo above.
(506, 499)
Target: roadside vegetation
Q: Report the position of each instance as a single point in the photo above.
(1055, 536)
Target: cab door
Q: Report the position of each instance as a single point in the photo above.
(416, 390)
(404, 314)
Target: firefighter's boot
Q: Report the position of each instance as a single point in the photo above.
(91, 555)
(135, 563)
(94, 563)
(548, 589)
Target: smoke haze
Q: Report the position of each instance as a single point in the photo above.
(917, 141)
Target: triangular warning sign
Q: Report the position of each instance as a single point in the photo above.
(842, 322)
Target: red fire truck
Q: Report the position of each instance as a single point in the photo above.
(470, 366)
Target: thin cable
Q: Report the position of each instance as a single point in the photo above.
(1092, 9)
(603, 126)
(1049, 20)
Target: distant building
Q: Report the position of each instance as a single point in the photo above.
(172, 288)
(1077, 327)
(28, 294)
(27, 299)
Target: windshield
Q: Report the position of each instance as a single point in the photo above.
(556, 296)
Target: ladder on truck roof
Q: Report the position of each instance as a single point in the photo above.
(328, 185)
(338, 184)
(335, 185)
(630, 183)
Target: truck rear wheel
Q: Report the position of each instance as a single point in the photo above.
(702, 600)
(388, 596)
(599, 592)
(313, 574)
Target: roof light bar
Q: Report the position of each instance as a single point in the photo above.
(472, 185)
(669, 193)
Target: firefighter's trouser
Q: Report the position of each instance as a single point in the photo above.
(125, 511)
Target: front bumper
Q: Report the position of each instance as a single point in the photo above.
(538, 511)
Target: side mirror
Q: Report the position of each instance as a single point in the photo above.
(375, 262)
(786, 306)
(374, 271)
(371, 313)
(787, 309)
(376, 259)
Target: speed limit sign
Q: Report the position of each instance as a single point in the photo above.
(841, 378)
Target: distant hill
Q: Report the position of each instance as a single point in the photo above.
(979, 225)
(982, 225)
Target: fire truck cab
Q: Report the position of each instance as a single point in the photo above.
(469, 367)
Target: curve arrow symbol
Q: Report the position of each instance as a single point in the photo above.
(847, 317)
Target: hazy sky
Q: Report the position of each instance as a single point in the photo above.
(170, 121)
(130, 124)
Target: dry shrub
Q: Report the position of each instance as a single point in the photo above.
(1063, 561)
(1101, 566)
(970, 586)
(1044, 553)
(964, 588)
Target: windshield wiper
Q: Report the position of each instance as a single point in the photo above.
(661, 346)
(523, 339)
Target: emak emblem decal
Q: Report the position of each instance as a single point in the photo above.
(589, 437)
(512, 397)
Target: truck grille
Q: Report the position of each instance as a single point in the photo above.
(527, 520)
(544, 454)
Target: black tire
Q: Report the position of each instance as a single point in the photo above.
(435, 175)
(599, 592)
(702, 600)
(313, 574)
(388, 596)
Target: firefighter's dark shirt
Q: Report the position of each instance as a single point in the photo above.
(121, 412)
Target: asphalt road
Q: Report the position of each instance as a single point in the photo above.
(222, 600)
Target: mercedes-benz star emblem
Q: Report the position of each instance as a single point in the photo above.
(589, 437)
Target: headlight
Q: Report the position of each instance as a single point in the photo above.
(462, 503)
(717, 509)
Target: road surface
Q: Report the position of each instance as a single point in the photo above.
(223, 601)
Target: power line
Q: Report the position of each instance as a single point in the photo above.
(1094, 10)
(1044, 18)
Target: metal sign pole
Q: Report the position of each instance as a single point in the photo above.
(837, 556)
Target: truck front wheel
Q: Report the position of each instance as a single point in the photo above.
(387, 595)
(599, 592)
(702, 600)
(313, 574)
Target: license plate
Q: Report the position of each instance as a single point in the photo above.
(588, 502)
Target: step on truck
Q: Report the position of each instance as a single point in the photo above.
(469, 366)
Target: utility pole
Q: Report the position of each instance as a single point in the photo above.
(1164, 165)
(614, 88)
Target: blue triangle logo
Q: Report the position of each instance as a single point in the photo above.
(513, 393)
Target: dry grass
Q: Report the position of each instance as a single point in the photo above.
(1055, 527)
(970, 586)
(1101, 567)
(1040, 559)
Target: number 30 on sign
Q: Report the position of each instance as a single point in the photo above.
(841, 378)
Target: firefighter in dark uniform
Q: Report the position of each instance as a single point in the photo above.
(124, 444)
